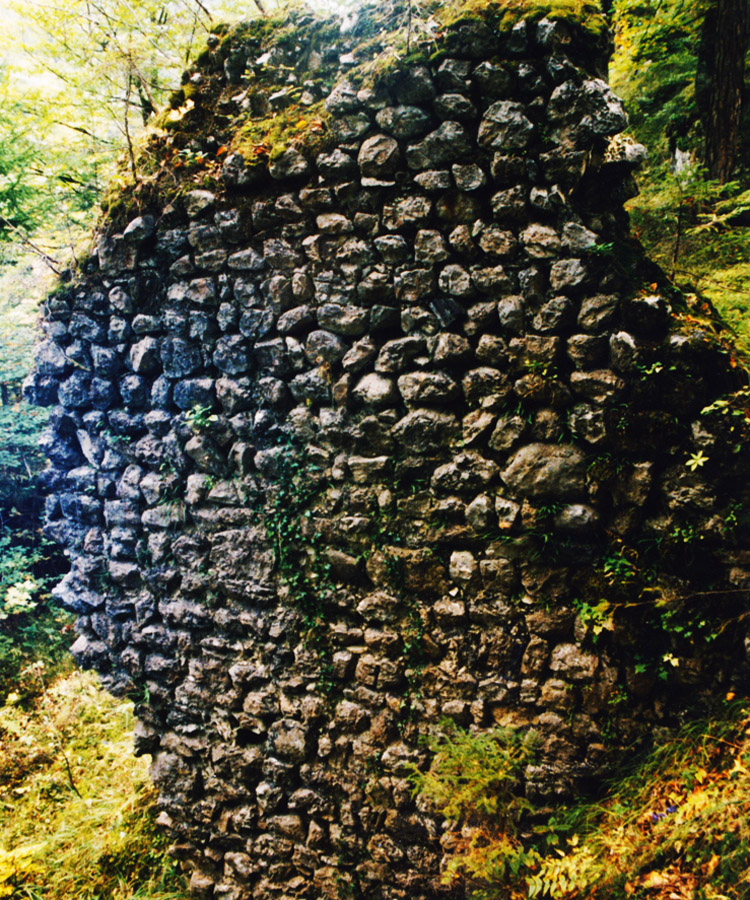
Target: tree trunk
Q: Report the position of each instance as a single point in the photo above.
(724, 44)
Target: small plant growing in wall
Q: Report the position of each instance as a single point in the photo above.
(199, 418)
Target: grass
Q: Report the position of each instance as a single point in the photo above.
(674, 827)
(76, 807)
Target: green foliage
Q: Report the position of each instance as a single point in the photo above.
(299, 549)
(32, 630)
(655, 68)
(199, 418)
(86, 831)
(674, 825)
(23, 204)
(476, 775)
(79, 85)
(504, 14)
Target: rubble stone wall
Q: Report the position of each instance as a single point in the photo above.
(356, 441)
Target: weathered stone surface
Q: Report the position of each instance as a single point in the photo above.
(375, 390)
(427, 388)
(444, 145)
(505, 127)
(422, 430)
(545, 470)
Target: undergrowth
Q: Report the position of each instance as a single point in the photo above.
(76, 807)
(674, 826)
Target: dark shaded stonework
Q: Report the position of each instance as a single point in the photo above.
(357, 443)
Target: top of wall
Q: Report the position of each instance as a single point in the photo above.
(264, 87)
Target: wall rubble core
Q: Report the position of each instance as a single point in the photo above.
(356, 441)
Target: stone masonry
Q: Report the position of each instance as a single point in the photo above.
(404, 429)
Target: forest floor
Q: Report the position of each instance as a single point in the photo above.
(76, 807)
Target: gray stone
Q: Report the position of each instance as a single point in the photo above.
(73, 392)
(50, 359)
(456, 281)
(445, 145)
(597, 313)
(497, 242)
(379, 156)
(468, 471)
(479, 513)
(348, 129)
(297, 320)
(337, 163)
(334, 223)
(455, 106)
(415, 85)
(451, 348)
(199, 203)
(453, 74)
(246, 260)
(509, 206)
(360, 355)
(462, 566)
(139, 229)
(257, 323)
(430, 247)
(407, 211)
(587, 351)
(343, 99)
(396, 355)
(193, 392)
(312, 387)
(145, 357)
(205, 455)
(412, 285)
(588, 423)
(576, 518)
(468, 177)
(379, 607)
(179, 358)
(541, 241)
(505, 127)
(375, 390)
(403, 122)
(567, 274)
(547, 470)
(324, 347)
(232, 355)
(476, 426)
(393, 248)
(280, 254)
(422, 430)
(508, 431)
(433, 180)
(427, 388)
(507, 511)
(555, 316)
(289, 164)
(346, 320)
(578, 239)
(486, 387)
(599, 386)
(201, 292)
(573, 663)
(510, 311)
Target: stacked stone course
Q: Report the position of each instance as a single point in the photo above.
(439, 325)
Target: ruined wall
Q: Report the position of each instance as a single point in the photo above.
(397, 428)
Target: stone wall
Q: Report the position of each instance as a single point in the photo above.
(402, 430)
